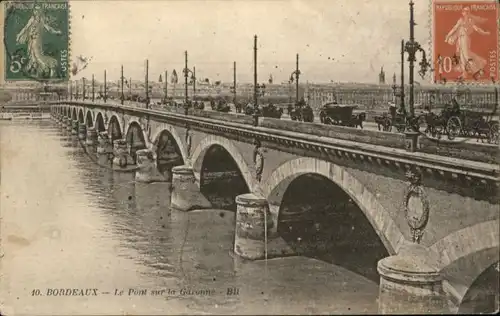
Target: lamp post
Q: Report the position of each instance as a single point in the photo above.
(295, 76)
(255, 85)
(234, 83)
(76, 92)
(147, 83)
(122, 98)
(394, 88)
(186, 75)
(83, 89)
(105, 96)
(93, 88)
(166, 87)
(194, 81)
(402, 93)
(412, 47)
(70, 90)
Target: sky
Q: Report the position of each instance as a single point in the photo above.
(339, 40)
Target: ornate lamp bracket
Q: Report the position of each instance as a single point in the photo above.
(258, 160)
(188, 139)
(416, 205)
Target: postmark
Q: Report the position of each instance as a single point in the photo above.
(465, 41)
(36, 40)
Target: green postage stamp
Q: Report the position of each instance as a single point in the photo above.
(36, 40)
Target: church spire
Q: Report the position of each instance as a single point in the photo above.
(381, 76)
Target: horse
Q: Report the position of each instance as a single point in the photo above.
(302, 114)
(383, 122)
(238, 106)
(307, 114)
(357, 120)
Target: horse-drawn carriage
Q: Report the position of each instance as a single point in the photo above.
(454, 121)
(337, 114)
(302, 114)
(269, 110)
(220, 105)
(394, 118)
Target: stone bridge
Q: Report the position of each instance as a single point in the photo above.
(432, 207)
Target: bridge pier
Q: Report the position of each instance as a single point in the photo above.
(253, 219)
(74, 127)
(186, 194)
(122, 157)
(104, 148)
(68, 124)
(410, 284)
(147, 171)
(91, 139)
(82, 131)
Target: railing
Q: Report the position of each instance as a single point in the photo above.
(323, 138)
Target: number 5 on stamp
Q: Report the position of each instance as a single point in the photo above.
(36, 40)
(465, 40)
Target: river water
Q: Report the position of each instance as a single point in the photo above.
(68, 223)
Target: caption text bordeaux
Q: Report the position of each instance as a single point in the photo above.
(135, 292)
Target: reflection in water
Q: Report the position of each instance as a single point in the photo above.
(68, 223)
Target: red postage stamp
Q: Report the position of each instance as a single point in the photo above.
(465, 41)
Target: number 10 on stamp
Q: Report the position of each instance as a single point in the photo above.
(465, 40)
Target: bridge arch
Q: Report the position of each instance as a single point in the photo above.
(212, 140)
(167, 149)
(114, 128)
(221, 171)
(276, 185)
(99, 124)
(464, 255)
(164, 128)
(81, 116)
(482, 296)
(89, 121)
(136, 123)
(135, 139)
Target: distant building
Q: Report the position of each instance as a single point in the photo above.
(381, 76)
(378, 96)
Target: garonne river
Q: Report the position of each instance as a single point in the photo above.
(79, 238)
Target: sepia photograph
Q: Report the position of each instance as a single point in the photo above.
(249, 157)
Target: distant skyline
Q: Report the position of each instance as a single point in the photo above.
(342, 40)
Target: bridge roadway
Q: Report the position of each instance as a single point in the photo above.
(369, 125)
(433, 206)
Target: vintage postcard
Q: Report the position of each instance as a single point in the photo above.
(272, 157)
